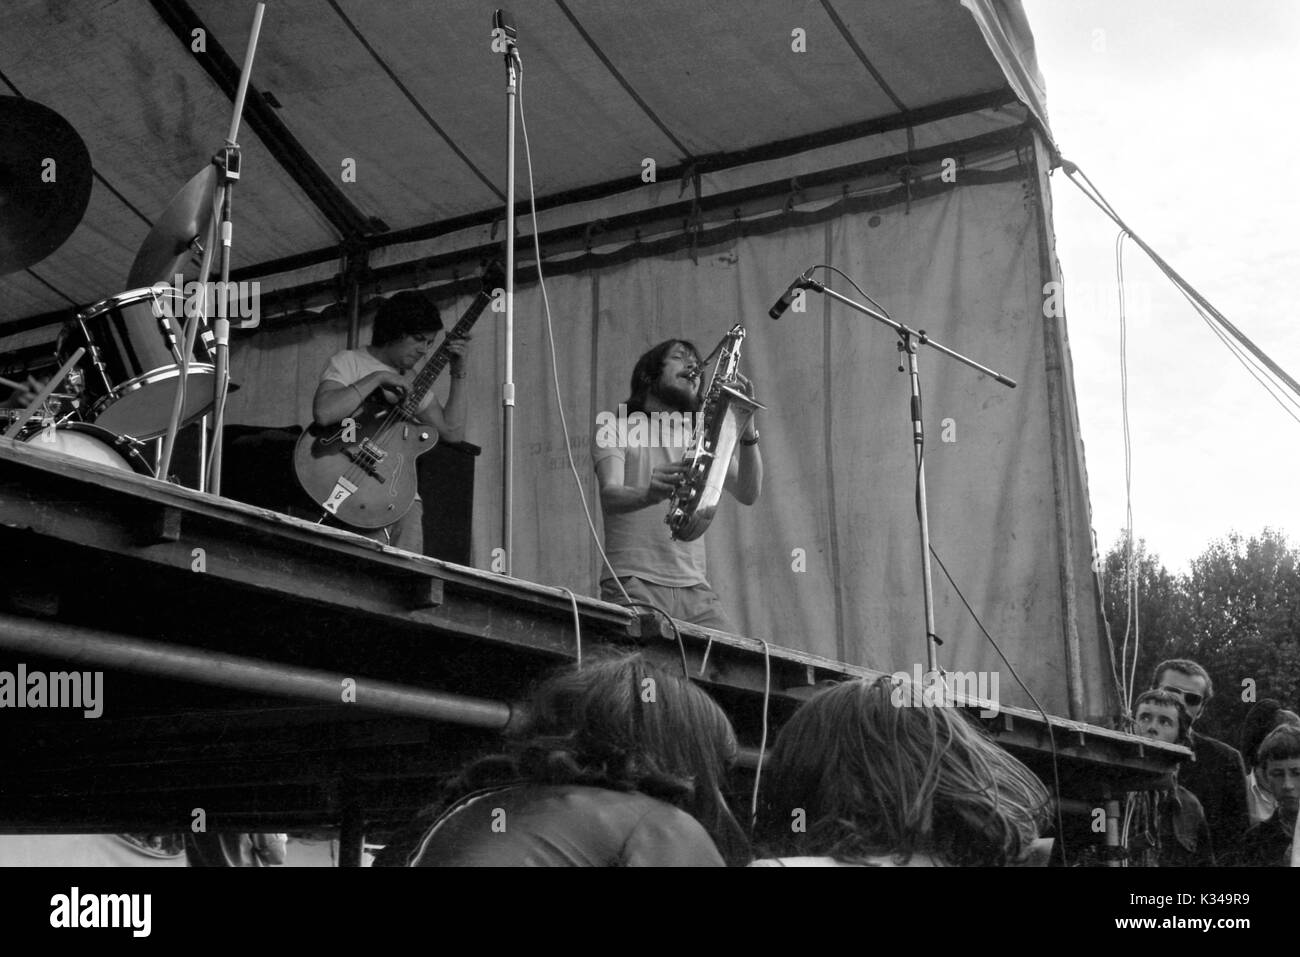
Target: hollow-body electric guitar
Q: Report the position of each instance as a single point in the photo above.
(362, 470)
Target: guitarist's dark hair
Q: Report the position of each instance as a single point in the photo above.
(405, 314)
(649, 368)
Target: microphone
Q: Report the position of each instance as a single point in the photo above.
(503, 21)
(781, 305)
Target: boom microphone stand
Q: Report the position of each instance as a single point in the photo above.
(909, 340)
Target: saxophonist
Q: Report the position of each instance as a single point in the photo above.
(638, 464)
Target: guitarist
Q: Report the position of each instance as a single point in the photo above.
(405, 328)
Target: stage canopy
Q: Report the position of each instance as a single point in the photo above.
(689, 160)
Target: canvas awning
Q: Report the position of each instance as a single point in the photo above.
(412, 97)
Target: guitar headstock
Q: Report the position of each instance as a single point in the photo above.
(494, 276)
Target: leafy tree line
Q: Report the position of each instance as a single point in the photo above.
(1236, 611)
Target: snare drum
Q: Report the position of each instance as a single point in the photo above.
(130, 371)
(91, 444)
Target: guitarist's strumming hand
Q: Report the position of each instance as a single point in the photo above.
(394, 386)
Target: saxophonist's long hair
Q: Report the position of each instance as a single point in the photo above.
(648, 369)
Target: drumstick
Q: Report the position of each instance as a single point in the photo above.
(44, 394)
(11, 384)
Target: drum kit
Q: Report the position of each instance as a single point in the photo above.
(123, 359)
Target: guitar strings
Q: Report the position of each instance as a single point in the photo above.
(401, 413)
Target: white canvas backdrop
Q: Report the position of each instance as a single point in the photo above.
(828, 560)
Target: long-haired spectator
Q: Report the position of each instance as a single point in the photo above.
(620, 763)
(857, 779)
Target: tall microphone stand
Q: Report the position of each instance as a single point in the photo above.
(228, 162)
(506, 32)
(909, 340)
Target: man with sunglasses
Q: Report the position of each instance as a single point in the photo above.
(1217, 776)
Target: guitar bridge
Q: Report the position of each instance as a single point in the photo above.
(368, 456)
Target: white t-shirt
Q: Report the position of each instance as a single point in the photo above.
(639, 544)
(352, 365)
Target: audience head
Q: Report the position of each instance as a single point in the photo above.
(1186, 679)
(1263, 717)
(1161, 715)
(626, 724)
(1279, 765)
(866, 777)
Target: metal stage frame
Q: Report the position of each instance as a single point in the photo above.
(282, 675)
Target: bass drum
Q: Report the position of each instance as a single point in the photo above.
(91, 444)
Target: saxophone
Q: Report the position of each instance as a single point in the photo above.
(722, 418)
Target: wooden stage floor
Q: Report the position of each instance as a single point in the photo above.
(229, 637)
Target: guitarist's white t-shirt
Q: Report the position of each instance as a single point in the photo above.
(353, 365)
(639, 544)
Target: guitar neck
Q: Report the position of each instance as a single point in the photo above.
(428, 375)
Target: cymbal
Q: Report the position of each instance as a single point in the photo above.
(41, 202)
(168, 249)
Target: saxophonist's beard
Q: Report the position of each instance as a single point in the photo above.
(678, 398)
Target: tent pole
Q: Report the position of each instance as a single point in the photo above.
(355, 262)
(1053, 359)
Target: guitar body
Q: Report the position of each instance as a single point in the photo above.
(362, 470)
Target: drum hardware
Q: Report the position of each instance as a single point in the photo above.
(43, 395)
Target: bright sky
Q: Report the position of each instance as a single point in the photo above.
(1184, 114)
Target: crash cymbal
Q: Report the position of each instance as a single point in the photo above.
(45, 179)
(170, 248)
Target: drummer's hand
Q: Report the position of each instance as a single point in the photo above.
(459, 348)
(22, 398)
(746, 386)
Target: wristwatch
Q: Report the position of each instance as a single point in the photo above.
(753, 441)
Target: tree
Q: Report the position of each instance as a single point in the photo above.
(1236, 612)
(1243, 602)
(1158, 629)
